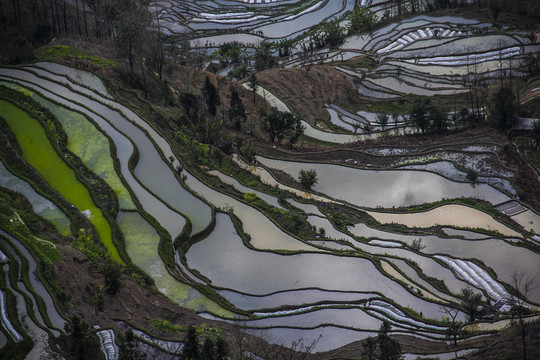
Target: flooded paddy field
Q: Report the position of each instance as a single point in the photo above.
(339, 279)
(387, 233)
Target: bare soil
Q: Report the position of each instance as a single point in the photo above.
(306, 91)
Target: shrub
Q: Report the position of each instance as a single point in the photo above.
(307, 178)
(472, 176)
(251, 197)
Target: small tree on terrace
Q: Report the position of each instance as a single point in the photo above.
(470, 302)
(361, 18)
(297, 130)
(112, 272)
(503, 107)
(253, 82)
(191, 350)
(522, 286)
(453, 329)
(438, 119)
(419, 116)
(307, 178)
(382, 119)
(334, 33)
(280, 123)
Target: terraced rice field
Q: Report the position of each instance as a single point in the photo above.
(341, 285)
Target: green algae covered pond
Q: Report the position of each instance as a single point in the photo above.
(87, 142)
(40, 154)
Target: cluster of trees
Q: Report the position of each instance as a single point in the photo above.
(382, 347)
(427, 117)
(361, 19)
(502, 106)
(281, 124)
(210, 350)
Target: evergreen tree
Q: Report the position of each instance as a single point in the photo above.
(253, 83)
(81, 341)
(221, 349)
(503, 107)
(190, 351)
(237, 113)
(418, 114)
(129, 349)
(383, 347)
(437, 119)
(208, 352)
(112, 272)
(307, 178)
(470, 302)
(389, 349)
(263, 56)
(211, 96)
(382, 119)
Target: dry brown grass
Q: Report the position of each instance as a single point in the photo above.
(306, 91)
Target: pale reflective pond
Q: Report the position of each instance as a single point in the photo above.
(450, 215)
(400, 188)
(223, 258)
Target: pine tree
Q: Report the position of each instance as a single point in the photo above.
(211, 96)
(190, 351)
(237, 113)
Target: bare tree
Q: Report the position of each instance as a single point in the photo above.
(522, 285)
(260, 345)
(455, 326)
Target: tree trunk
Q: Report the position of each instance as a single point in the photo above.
(143, 63)
(78, 18)
(52, 16)
(57, 16)
(85, 23)
(130, 56)
(16, 13)
(523, 340)
(64, 16)
(35, 11)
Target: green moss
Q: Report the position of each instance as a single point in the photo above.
(56, 51)
(41, 155)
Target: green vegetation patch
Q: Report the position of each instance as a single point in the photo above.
(87, 142)
(40, 154)
(56, 51)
